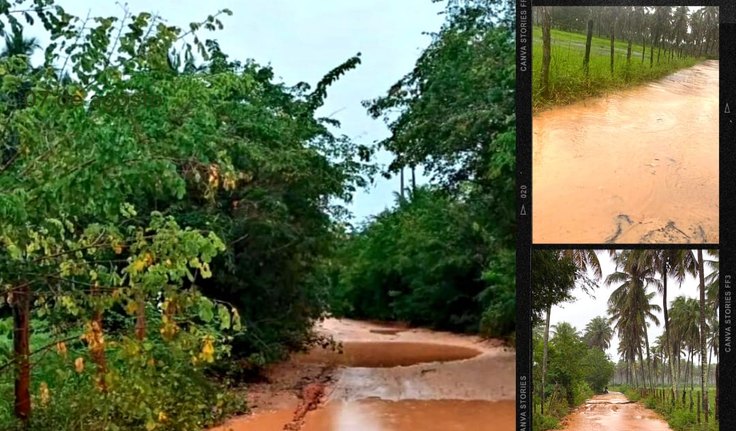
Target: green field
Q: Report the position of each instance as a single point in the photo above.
(568, 82)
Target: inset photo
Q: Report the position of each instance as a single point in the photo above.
(625, 125)
(625, 339)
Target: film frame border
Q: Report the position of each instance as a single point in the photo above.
(727, 199)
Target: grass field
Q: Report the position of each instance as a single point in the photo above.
(568, 82)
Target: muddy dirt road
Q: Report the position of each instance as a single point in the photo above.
(639, 166)
(387, 379)
(613, 412)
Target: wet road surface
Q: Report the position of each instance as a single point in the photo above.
(397, 380)
(613, 412)
(638, 166)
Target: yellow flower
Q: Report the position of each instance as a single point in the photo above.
(79, 364)
(61, 348)
(139, 265)
(45, 395)
(162, 417)
(208, 350)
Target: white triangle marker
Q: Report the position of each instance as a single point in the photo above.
(523, 210)
(727, 110)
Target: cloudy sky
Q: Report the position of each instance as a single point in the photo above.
(303, 40)
(585, 307)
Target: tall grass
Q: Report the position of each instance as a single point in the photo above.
(568, 82)
(681, 417)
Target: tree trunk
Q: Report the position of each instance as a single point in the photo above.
(401, 176)
(703, 335)
(97, 343)
(588, 42)
(546, 50)
(668, 345)
(651, 51)
(613, 39)
(21, 350)
(649, 363)
(545, 351)
(140, 321)
(643, 382)
(718, 394)
(413, 178)
(643, 48)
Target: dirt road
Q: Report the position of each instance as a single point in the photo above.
(387, 379)
(639, 166)
(613, 412)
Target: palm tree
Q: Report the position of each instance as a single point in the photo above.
(703, 334)
(630, 304)
(598, 333)
(713, 305)
(679, 29)
(685, 314)
(676, 264)
(17, 44)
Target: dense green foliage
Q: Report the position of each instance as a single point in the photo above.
(444, 255)
(151, 193)
(423, 263)
(575, 372)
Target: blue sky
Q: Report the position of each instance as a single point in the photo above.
(303, 40)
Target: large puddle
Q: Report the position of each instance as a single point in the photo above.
(401, 386)
(388, 354)
(615, 413)
(379, 415)
(640, 166)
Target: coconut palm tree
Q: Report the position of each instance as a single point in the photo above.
(703, 334)
(630, 305)
(712, 304)
(677, 264)
(685, 314)
(17, 44)
(598, 333)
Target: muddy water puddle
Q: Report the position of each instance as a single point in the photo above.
(387, 354)
(379, 415)
(614, 412)
(433, 415)
(639, 166)
(384, 378)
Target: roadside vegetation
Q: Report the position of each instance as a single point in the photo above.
(581, 52)
(444, 255)
(662, 371)
(577, 368)
(173, 220)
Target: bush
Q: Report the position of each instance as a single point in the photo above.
(428, 262)
(150, 386)
(544, 422)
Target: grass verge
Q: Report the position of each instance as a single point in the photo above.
(681, 417)
(568, 81)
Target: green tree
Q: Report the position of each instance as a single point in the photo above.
(598, 333)
(630, 304)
